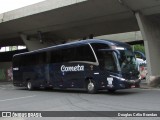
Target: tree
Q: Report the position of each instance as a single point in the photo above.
(138, 47)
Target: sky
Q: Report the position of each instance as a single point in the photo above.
(8, 5)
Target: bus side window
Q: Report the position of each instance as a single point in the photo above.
(62, 55)
(73, 53)
(55, 56)
(41, 58)
(16, 61)
(31, 58)
(68, 54)
(84, 53)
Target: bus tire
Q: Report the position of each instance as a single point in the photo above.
(30, 85)
(91, 87)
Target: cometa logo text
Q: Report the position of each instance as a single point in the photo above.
(72, 68)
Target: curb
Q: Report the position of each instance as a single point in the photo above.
(142, 86)
(5, 82)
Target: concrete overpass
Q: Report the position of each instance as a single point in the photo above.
(132, 38)
(56, 21)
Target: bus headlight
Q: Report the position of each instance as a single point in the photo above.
(122, 79)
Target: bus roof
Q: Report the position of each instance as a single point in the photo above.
(108, 42)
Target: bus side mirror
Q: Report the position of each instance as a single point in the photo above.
(140, 55)
(144, 58)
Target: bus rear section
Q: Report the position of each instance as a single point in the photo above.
(31, 70)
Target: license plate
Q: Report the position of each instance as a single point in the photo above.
(109, 79)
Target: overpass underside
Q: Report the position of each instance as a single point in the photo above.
(57, 21)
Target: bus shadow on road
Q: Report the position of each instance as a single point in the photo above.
(82, 91)
(119, 93)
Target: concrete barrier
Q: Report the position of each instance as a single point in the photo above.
(154, 81)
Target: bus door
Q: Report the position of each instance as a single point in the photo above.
(43, 68)
(108, 66)
(47, 75)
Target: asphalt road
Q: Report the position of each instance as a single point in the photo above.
(20, 99)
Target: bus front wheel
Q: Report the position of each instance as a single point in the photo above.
(91, 87)
(30, 85)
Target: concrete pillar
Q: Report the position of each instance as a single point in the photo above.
(151, 34)
(33, 43)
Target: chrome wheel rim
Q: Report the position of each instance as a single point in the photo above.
(90, 86)
(29, 85)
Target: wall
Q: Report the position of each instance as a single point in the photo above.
(4, 67)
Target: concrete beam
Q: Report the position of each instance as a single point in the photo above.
(151, 33)
(1, 17)
(123, 37)
(46, 5)
(33, 43)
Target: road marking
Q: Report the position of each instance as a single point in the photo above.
(17, 98)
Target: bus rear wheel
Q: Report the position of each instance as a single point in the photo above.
(91, 87)
(30, 85)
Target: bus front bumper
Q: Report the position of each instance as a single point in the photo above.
(133, 83)
(125, 84)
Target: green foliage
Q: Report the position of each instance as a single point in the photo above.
(138, 48)
(2, 74)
